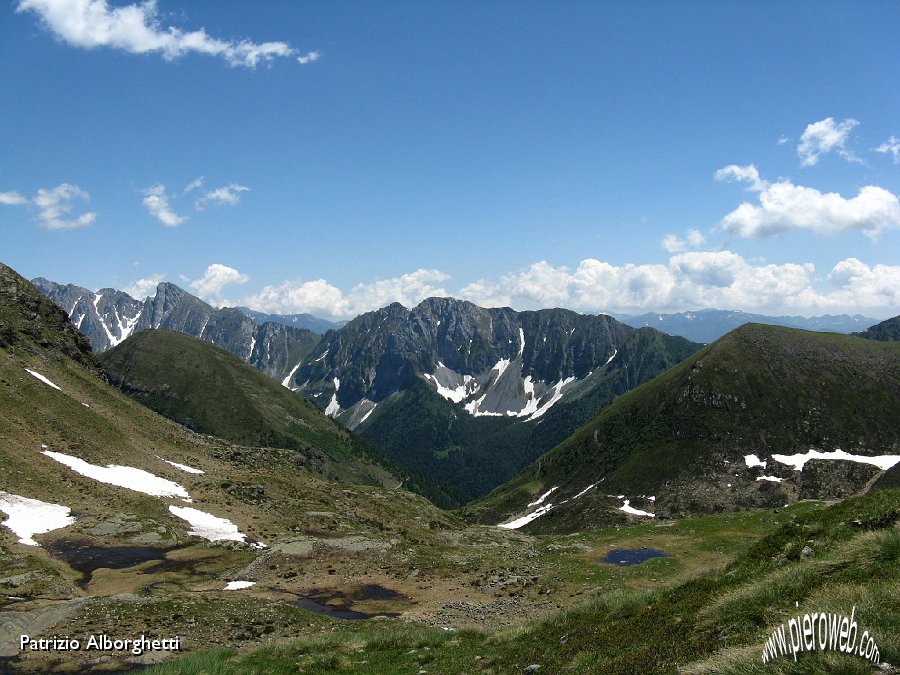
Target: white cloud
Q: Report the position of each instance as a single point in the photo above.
(857, 283)
(56, 202)
(784, 206)
(693, 280)
(673, 244)
(228, 195)
(323, 299)
(143, 288)
(12, 199)
(309, 57)
(890, 147)
(214, 279)
(195, 184)
(695, 237)
(820, 138)
(744, 174)
(783, 139)
(157, 203)
(136, 28)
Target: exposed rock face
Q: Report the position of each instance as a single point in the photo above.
(109, 316)
(470, 395)
(497, 361)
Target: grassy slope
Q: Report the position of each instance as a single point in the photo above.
(211, 391)
(886, 330)
(713, 623)
(759, 389)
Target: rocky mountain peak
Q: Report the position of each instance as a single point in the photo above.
(29, 321)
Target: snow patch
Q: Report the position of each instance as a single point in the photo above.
(109, 335)
(318, 359)
(501, 367)
(524, 520)
(521, 343)
(540, 500)
(366, 416)
(883, 462)
(609, 360)
(772, 479)
(286, 382)
(633, 511)
(122, 476)
(753, 460)
(183, 467)
(208, 526)
(43, 379)
(333, 406)
(126, 328)
(472, 409)
(28, 517)
(458, 394)
(557, 394)
(239, 585)
(531, 405)
(585, 490)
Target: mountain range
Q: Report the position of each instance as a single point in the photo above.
(307, 321)
(108, 317)
(470, 395)
(465, 395)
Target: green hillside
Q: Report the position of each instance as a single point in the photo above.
(211, 391)
(30, 324)
(886, 330)
(683, 436)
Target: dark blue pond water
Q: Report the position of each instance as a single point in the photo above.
(623, 557)
(337, 604)
(86, 558)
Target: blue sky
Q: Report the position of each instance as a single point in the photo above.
(334, 157)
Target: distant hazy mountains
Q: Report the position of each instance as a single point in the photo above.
(470, 395)
(763, 416)
(108, 317)
(707, 325)
(307, 321)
